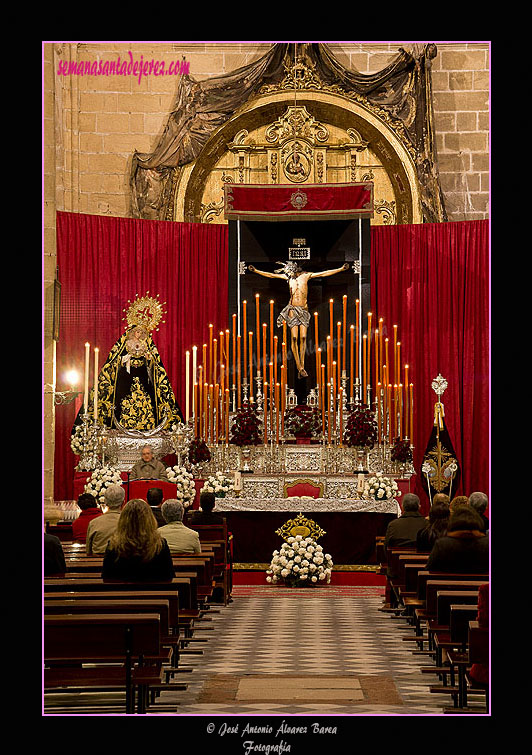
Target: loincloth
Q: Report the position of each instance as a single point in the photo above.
(300, 316)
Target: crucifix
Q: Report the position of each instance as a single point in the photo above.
(296, 314)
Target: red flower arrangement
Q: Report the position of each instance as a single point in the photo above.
(303, 420)
(198, 452)
(361, 428)
(401, 451)
(246, 429)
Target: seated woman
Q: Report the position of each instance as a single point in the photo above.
(89, 511)
(436, 527)
(465, 547)
(136, 551)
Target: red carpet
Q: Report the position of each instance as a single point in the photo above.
(337, 578)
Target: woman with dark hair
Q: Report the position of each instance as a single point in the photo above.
(136, 550)
(436, 527)
(465, 547)
(89, 511)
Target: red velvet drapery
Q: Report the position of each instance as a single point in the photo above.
(432, 280)
(104, 261)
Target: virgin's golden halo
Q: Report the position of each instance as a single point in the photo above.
(146, 311)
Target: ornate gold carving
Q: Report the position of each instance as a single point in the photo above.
(136, 409)
(387, 210)
(300, 526)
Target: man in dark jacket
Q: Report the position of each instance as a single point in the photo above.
(206, 515)
(402, 532)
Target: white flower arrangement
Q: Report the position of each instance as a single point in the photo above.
(186, 490)
(381, 488)
(300, 562)
(100, 480)
(76, 440)
(218, 484)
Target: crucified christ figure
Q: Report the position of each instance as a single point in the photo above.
(296, 314)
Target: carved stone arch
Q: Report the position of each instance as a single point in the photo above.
(367, 145)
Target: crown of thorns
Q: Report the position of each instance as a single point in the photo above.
(288, 268)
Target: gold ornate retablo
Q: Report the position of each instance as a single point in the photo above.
(300, 526)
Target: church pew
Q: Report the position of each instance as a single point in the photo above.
(212, 535)
(100, 639)
(477, 651)
(391, 556)
(185, 587)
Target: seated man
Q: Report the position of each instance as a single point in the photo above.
(148, 468)
(53, 556)
(89, 511)
(402, 532)
(206, 515)
(154, 496)
(100, 529)
(180, 539)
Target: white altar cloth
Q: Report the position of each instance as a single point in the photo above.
(306, 503)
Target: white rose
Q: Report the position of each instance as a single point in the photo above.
(314, 579)
(304, 562)
(322, 575)
(290, 540)
(268, 579)
(285, 573)
(297, 559)
(319, 548)
(295, 568)
(302, 576)
(313, 567)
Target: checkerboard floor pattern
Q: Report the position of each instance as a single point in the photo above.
(313, 633)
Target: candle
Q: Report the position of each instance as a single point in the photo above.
(377, 377)
(398, 361)
(368, 346)
(400, 410)
(364, 376)
(381, 328)
(411, 414)
(277, 413)
(200, 403)
(283, 395)
(379, 416)
(357, 315)
(210, 353)
(318, 377)
(272, 393)
(227, 415)
(211, 412)
(323, 397)
(96, 352)
(275, 343)
(187, 384)
(238, 374)
(271, 331)
(250, 339)
(333, 387)
(395, 379)
(244, 339)
(195, 409)
(257, 312)
(351, 362)
(390, 410)
(265, 418)
(341, 406)
(331, 331)
(234, 350)
(216, 411)
(194, 365)
(316, 346)
(206, 412)
(407, 404)
(264, 327)
(227, 354)
(344, 335)
(387, 362)
(215, 360)
(329, 358)
(329, 388)
(338, 348)
(86, 386)
(394, 436)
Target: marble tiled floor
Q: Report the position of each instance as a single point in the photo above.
(326, 632)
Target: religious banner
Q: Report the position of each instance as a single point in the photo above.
(440, 470)
(307, 202)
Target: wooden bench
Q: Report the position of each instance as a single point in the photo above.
(87, 638)
(218, 537)
(477, 651)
